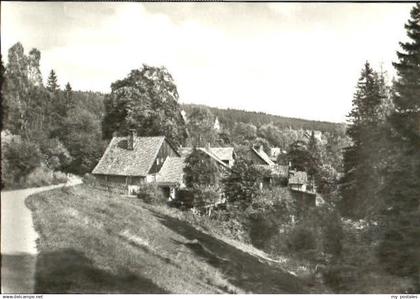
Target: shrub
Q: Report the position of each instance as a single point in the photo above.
(59, 177)
(42, 176)
(301, 239)
(184, 200)
(333, 234)
(57, 156)
(205, 195)
(89, 179)
(19, 159)
(151, 193)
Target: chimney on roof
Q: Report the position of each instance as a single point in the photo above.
(261, 148)
(132, 134)
(208, 146)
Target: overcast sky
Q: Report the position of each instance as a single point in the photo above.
(291, 59)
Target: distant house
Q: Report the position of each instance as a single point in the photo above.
(226, 155)
(275, 175)
(216, 125)
(170, 176)
(317, 135)
(298, 181)
(274, 153)
(130, 161)
(184, 116)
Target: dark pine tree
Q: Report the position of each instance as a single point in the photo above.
(52, 84)
(313, 149)
(3, 107)
(68, 94)
(360, 182)
(399, 252)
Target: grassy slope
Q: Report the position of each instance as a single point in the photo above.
(95, 242)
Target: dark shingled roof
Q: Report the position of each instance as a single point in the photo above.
(172, 171)
(118, 160)
(299, 178)
(185, 151)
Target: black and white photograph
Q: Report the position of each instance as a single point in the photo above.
(210, 148)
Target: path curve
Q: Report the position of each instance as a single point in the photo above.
(18, 236)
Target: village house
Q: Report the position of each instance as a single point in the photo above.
(223, 155)
(258, 156)
(317, 135)
(130, 161)
(298, 181)
(274, 174)
(216, 125)
(171, 176)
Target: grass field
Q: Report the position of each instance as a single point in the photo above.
(92, 241)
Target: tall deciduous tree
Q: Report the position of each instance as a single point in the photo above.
(271, 133)
(80, 134)
(400, 250)
(200, 127)
(244, 133)
(146, 100)
(34, 73)
(202, 176)
(242, 185)
(16, 89)
(200, 170)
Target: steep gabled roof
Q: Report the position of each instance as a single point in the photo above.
(263, 156)
(212, 155)
(172, 171)
(214, 152)
(299, 178)
(118, 160)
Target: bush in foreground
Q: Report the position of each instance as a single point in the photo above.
(18, 159)
(151, 194)
(42, 176)
(89, 179)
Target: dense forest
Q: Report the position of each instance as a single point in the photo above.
(229, 117)
(47, 130)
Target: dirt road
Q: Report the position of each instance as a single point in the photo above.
(18, 239)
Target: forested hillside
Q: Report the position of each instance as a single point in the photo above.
(229, 117)
(47, 129)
